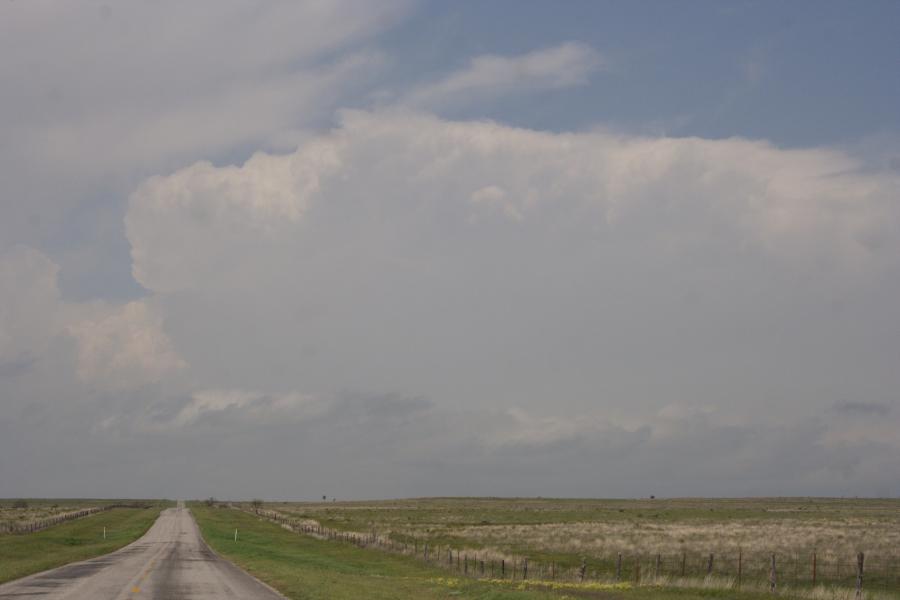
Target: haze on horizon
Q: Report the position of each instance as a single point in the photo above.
(400, 248)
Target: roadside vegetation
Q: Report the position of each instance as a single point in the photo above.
(699, 543)
(22, 555)
(21, 511)
(304, 566)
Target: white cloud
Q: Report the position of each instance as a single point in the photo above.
(677, 193)
(483, 265)
(124, 347)
(163, 84)
(29, 304)
(491, 76)
(492, 199)
(118, 347)
(245, 407)
(219, 207)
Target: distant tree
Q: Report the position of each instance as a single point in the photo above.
(211, 501)
(324, 498)
(257, 503)
(20, 504)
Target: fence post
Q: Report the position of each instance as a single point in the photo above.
(465, 564)
(658, 559)
(740, 567)
(683, 562)
(619, 567)
(525, 568)
(814, 568)
(503, 568)
(637, 569)
(773, 576)
(582, 569)
(482, 567)
(709, 565)
(859, 574)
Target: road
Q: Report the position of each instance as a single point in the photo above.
(170, 562)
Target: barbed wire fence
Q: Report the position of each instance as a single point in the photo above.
(733, 570)
(11, 527)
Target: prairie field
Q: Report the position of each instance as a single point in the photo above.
(310, 566)
(21, 512)
(815, 540)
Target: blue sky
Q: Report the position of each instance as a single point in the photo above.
(798, 74)
(406, 248)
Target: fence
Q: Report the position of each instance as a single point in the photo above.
(736, 569)
(41, 524)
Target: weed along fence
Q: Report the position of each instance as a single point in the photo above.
(7, 527)
(855, 572)
(38, 525)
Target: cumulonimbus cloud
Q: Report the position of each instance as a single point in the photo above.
(793, 204)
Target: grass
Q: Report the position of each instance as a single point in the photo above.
(21, 511)
(21, 555)
(304, 567)
(564, 531)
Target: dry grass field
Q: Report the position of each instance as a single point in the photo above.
(22, 511)
(18, 513)
(679, 535)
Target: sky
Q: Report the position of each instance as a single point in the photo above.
(388, 249)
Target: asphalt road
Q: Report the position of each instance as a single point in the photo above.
(170, 562)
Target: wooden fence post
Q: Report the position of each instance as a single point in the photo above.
(583, 568)
(658, 560)
(709, 565)
(525, 568)
(619, 567)
(814, 568)
(683, 563)
(740, 567)
(773, 576)
(859, 574)
(503, 568)
(465, 564)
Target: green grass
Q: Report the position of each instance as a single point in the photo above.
(301, 566)
(565, 531)
(21, 555)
